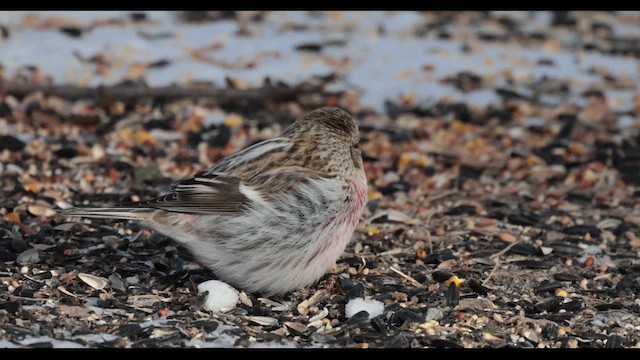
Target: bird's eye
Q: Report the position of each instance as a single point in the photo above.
(356, 145)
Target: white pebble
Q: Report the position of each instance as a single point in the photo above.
(221, 295)
(373, 307)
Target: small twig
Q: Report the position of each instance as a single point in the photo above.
(495, 266)
(150, 297)
(32, 278)
(503, 251)
(391, 252)
(407, 277)
(441, 195)
(493, 270)
(428, 232)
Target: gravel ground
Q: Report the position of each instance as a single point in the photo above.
(503, 175)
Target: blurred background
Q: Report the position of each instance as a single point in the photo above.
(410, 58)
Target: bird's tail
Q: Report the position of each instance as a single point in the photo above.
(127, 213)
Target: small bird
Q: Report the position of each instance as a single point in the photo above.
(271, 218)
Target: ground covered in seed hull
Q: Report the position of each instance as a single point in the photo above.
(502, 161)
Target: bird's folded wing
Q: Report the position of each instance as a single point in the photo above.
(219, 193)
(201, 194)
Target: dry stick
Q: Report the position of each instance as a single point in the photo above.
(441, 195)
(172, 91)
(407, 277)
(426, 225)
(390, 252)
(499, 253)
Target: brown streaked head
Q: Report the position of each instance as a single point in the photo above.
(334, 119)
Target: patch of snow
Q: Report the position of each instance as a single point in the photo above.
(383, 65)
(372, 307)
(221, 295)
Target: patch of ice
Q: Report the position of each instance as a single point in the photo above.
(383, 64)
(221, 295)
(372, 307)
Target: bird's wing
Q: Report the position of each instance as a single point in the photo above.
(200, 194)
(223, 193)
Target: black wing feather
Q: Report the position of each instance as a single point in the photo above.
(201, 194)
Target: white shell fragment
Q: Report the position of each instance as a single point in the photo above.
(546, 250)
(372, 307)
(608, 224)
(39, 210)
(319, 316)
(95, 282)
(221, 295)
(263, 320)
(297, 329)
(244, 299)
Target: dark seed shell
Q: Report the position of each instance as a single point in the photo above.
(405, 315)
(445, 344)
(524, 249)
(477, 287)
(547, 287)
(582, 229)
(441, 275)
(548, 304)
(379, 325)
(573, 305)
(614, 341)
(563, 276)
(453, 294)
(563, 247)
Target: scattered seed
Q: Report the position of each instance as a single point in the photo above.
(507, 237)
(263, 320)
